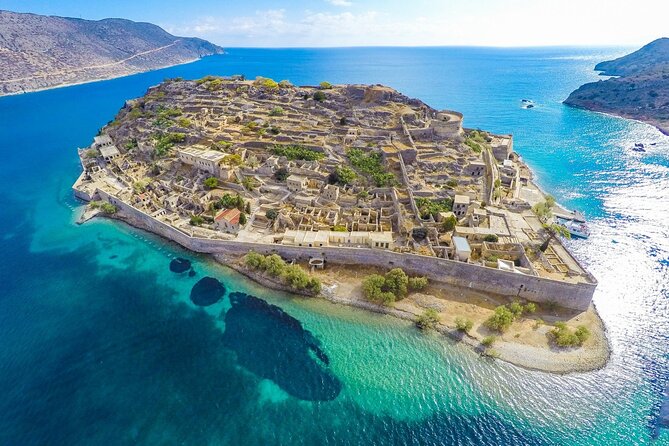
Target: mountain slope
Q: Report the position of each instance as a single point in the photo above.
(647, 58)
(641, 92)
(38, 52)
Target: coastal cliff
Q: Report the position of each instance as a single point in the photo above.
(640, 91)
(39, 52)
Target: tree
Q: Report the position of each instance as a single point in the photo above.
(419, 234)
(211, 182)
(247, 208)
(501, 320)
(428, 320)
(271, 214)
(342, 175)
(372, 287)
(396, 282)
(274, 265)
(564, 337)
(242, 219)
(254, 260)
(281, 174)
(449, 223)
(553, 231)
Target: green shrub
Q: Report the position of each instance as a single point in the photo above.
(564, 337)
(417, 283)
(464, 325)
(428, 207)
(184, 122)
(242, 219)
(319, 96)
(371, 164)
(428, 320)
(501, 320)
(325, 85)
(108, 208)
(249, 183)
(211, 182)
(297, 152)
(271, 214)
(285, 84)
(517, 309)
(196, 220)
(266, 83)
(530, 307)
(492, 238)
(276, 111)
(488, 341)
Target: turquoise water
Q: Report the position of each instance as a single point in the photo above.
(100, 343)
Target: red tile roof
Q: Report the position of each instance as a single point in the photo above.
(230, 215)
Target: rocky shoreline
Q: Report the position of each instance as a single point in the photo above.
(558, 361)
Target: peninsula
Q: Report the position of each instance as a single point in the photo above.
(40, 52)
(344, 191)
(639, 89)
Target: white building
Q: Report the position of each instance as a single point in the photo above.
(296, 183)
(461, 205)
(462, 249)
(207, 160)
(319, 239)
(109, 152)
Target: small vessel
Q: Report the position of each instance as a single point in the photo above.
(577, 229)
(638, 147)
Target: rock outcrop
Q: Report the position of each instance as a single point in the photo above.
(39, 52)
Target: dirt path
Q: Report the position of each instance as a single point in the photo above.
(91, 67)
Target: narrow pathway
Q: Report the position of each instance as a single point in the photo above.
(91, 67)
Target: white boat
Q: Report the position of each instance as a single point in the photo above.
(577, 229)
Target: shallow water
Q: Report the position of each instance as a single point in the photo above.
(101, 343)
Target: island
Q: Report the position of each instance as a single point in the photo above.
(639, 88)
(358, 194)
(40, 52)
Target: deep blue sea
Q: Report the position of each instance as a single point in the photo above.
(101, 345)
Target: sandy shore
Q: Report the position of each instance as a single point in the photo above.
(525, 344)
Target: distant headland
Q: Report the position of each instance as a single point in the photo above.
(639, 90)
(41, 52)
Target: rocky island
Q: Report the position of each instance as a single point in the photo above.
(639, 89)
(358, 194)
(39, 52)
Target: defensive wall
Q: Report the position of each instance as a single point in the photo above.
(575, 296)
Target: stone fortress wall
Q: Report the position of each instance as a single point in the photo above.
(576, 296)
